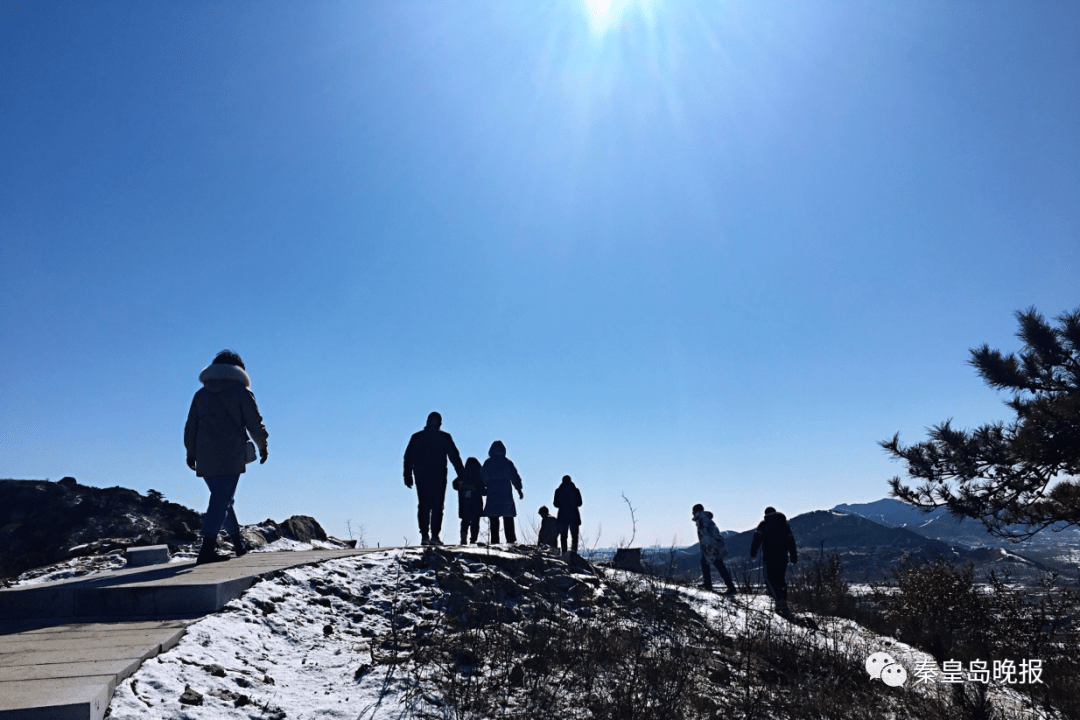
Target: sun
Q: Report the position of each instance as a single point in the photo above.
(600, 15)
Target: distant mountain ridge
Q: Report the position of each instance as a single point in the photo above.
(941, 525)
(869, 547)
(1059, 548)
(43, 522)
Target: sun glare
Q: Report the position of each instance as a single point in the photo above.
(605, 15)
(600, 15)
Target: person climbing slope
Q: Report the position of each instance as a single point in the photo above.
(712, 548)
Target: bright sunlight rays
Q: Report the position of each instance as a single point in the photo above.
(604, 15)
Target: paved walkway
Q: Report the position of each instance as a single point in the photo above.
(65, 645)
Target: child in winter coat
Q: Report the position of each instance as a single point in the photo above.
(470, 489)
(549, 529)
(712, 548)
(568, 500)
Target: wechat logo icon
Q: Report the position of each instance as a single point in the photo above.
(883, 666)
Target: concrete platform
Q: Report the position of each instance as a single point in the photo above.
(159, 590)
(65, 645)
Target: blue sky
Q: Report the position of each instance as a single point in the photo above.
(687, 251)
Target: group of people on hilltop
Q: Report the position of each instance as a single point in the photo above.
(425, 466)
(224, 414)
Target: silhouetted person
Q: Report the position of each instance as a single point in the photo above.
(568, 500)
(712, 548)
(777, 543)
(425, 459)
(470, 492)
(500, 478)
(223, 413)
(549, 529)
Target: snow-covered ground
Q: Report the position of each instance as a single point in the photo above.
(311, 642)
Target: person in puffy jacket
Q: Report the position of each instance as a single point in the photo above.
(712, 548)
(500, 479)
(568, 500)
(425, 459)
(777, 543)
(223, 414)
(470, 492)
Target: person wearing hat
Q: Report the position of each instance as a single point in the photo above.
(777, 543)
(712, 548)
(425, 459)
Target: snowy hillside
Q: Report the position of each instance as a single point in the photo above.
(513, 632)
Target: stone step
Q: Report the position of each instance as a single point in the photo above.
(70, 671)
(65, 645)
(147, 555)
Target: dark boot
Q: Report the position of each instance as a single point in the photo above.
(239, 547)
(208, 553)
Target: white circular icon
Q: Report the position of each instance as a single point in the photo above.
(877, 662)
(894, 675)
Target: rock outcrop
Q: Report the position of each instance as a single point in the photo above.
(42, 523)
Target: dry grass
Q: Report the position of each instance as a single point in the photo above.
(535, 637)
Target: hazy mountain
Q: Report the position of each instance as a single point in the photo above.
(867, 549)
(1058, 548)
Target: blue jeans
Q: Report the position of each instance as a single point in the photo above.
(220, 511)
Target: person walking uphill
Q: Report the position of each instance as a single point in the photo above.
(223, 413)
(568, 500)
(425, 459)
(500, 476)
(712, 548)
(777, 543)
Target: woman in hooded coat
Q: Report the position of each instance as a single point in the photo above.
(501, 478)
(223, 414)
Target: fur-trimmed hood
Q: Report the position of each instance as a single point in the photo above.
(216, 378)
